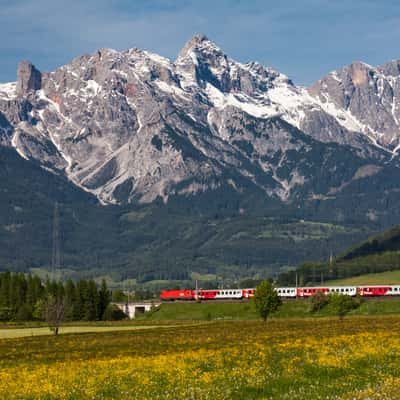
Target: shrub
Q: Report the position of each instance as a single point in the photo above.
(342, 304)
(318, 301)
(24, 313)
(113, 313)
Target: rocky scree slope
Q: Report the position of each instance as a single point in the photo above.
(132, 126)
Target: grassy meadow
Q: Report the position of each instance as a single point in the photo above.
(321, 358)
(246, 311)
(381, 278)
(12, 332)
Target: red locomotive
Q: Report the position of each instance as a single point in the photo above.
(202, 294)
(284, 292)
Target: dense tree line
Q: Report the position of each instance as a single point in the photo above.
(26, 297)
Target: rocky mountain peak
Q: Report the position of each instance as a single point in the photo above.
(364, 99)
(360, 73)
(134, 126)
(392, 68)
(28, 78)
(202, 62)
(193, 44)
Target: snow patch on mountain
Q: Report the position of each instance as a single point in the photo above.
(8, 91)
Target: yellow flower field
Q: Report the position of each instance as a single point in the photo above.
(357, 358)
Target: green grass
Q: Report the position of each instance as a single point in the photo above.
(201, 311)
(246, 311)
(24, 332)
(382, 278)
(203, 277)
(171, 314)
(378, 307)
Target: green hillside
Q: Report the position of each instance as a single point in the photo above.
(375, 260)
(388, 241)
(381, 278)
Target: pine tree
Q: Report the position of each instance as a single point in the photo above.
(70, 301)
(91, 302)
(80, 301)
(104, 299)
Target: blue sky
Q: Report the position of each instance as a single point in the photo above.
(304, 39)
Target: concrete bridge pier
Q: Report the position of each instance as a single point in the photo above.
(136, 308)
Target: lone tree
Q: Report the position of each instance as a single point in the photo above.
(266, 299)
(55, 312)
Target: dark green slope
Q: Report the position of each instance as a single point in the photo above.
(388, 241)
(27, 197)
(223, 232)
(219, 233)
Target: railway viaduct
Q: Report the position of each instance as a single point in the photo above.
(133, 309)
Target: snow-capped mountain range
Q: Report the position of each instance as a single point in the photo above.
(133, 126)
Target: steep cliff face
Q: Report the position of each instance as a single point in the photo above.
(364, 99)
(133, 126)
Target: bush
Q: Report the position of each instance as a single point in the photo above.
(318, 301)
(342, 304)
(5, 313)
(113, 313)
(24, 313)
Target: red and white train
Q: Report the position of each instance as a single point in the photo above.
(284, 292)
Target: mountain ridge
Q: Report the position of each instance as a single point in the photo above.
(133, 126)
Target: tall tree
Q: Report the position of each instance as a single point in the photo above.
(104, 299)
(266, 299)
(91, 301)
(55, 313)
